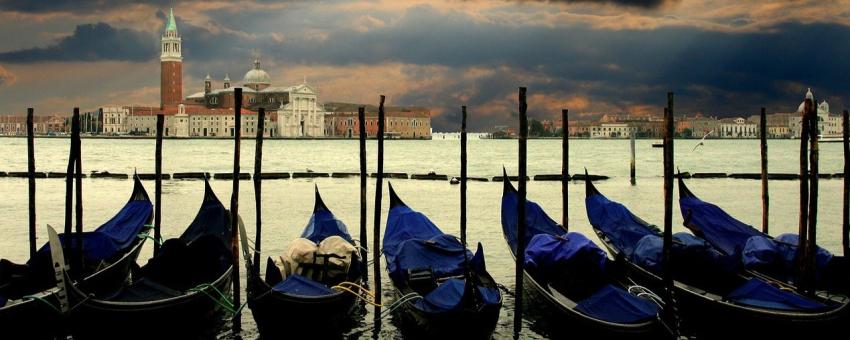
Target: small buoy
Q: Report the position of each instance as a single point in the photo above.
(454, 180)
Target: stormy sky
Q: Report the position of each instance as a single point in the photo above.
(720, 57)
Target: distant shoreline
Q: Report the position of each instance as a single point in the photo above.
(203, 138)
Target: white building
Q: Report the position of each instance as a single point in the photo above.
(738, 128)
(612, 130)
(828, 125)
(302, 116)
(114, 119)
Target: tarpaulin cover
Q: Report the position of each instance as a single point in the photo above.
(571, 252)
(443, 254)
(686, 248)
(302, 286)
(536, 220)
(708, 221)
(113, 236)
(614, 304)
(758, 293)
(322, 225)
(212, 219)
(788, 247)
(623, 228)
(412, 241)
(449, 296)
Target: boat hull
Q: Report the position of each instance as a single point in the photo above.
(464, 324)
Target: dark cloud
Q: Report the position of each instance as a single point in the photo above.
(91, 42)
(39, 6)
(633, 3)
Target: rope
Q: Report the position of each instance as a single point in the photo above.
(40, 299)
(223, 300)
(146, 235)
(641, 291)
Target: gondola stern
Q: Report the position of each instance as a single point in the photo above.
(319, 204)
(684, 192)
(508, 187)
(139, 192)
(395, 201)
(590, 189)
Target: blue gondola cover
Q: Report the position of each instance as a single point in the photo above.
(322, 225)
(572, 252)
(113, 236)
(613, 304)
(715, 225)
(758, 293)
(412, 241)
(536, 220)
(624, 229)
(302, 286)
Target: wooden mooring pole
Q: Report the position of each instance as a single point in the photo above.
(803, 230)
(669, 307)
(565, 168)
(157, 210)
(845, 230)
(258, 189)
(812, 237)
(632, 163)
(78, 191)
(520, 247)
(31, 180)
(376, 246)
(234, 207)
(69, 190)
(463, 178)
(765, 198)
(364, 253)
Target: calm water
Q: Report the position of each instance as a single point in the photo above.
(287, 204)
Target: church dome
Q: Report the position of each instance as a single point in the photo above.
(257, 76)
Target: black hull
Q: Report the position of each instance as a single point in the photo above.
(570, 322)
(276, 313)
(465, 324)
(708, 316)
(41, 319)
(194, 315)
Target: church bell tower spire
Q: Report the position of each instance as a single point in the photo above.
(171, 64)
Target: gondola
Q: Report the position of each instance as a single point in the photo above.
(573, 280)
(713, 296)
(180, 292)
(29, 304)
(441, 289)
(756, 251)
(317, 296)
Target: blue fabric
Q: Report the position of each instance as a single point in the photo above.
(713, 224)
(613, 304)
(759, 251)
(412, 241)
(446, 297)
(302, 286)
(322, 225)
(212, 219)
(113, 236)
(623, 228)
(758, 293)
(3, 300)
(444, 254)
(572, 252)
(536, 220)
(787, 245)
(686, 248)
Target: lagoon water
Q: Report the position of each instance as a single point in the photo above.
(287, 204)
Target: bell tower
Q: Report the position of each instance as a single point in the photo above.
(171, 65)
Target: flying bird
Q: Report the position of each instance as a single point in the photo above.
(702, 141)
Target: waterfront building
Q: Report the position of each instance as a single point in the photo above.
(828, 125)
(16, 125)
(579, 128)
(413, 124)
(302, 115)
(114, 119)
(612, 130)
(737, 128)
(171, 65)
